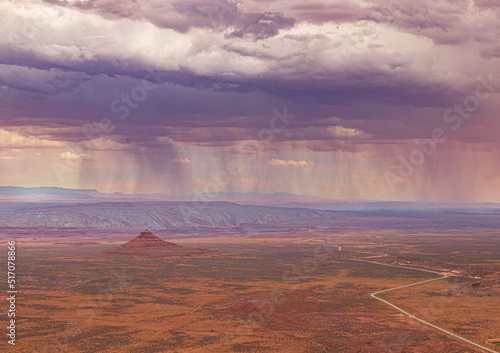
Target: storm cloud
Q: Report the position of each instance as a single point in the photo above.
(161, 82)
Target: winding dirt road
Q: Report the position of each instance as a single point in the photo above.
(374, 295)
(441, 276)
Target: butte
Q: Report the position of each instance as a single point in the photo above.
(148, 244)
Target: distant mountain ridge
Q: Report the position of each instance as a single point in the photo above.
(55, 195)
(155, 215)
(192, 218)
(64, 195)
(51, 190)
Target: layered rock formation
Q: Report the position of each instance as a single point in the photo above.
(147, 243)
(157, 215)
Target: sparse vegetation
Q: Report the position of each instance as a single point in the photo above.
(226, 300)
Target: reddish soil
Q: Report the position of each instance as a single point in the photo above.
(77, 243)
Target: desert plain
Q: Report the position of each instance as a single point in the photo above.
(293, 291)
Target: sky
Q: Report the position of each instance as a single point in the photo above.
(372, 99)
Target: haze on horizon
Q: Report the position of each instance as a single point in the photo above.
(373, 99)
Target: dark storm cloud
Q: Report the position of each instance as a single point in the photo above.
(40, 82)
(227, 65)
(178, 15)
(318, 12)
(445, 21)
(184, 15)
(261, 26)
